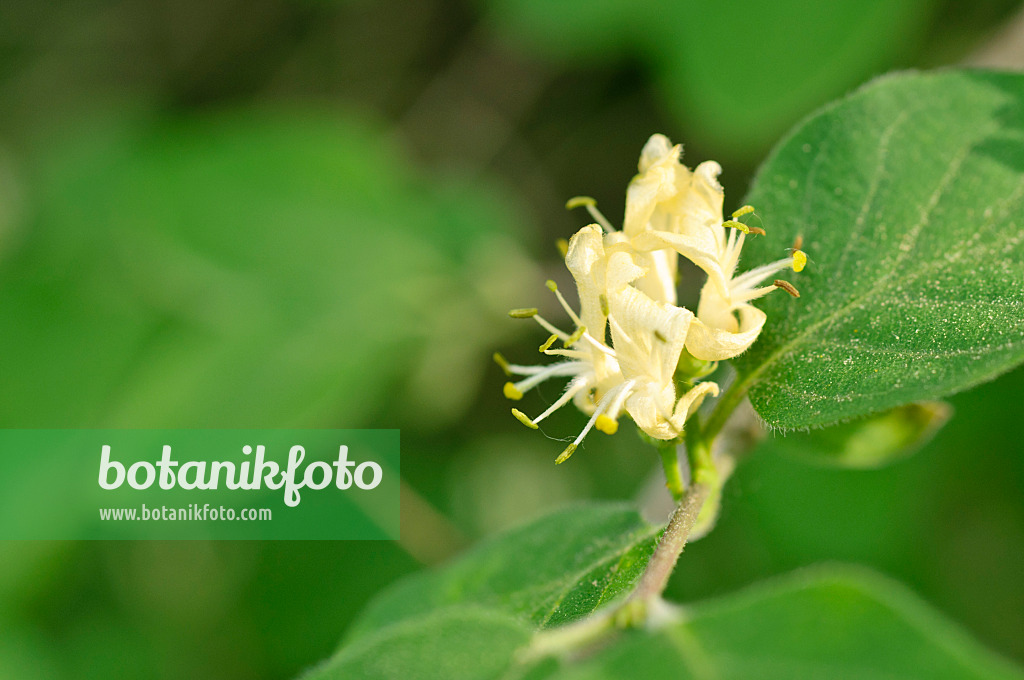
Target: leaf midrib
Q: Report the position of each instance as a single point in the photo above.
(745, 381)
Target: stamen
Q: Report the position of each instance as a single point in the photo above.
(798, 242)
(523, 313)
(786, 286)
(591, 205)
(658, 336)
(502, 362)
(553, 287)
(740, 212)
(563, 247)
(564, 368)
(579, 201)
(562, 335)
(799, 260)
(574, 338)
(599, 346)
(748, 295)
(607, 424)
(602, 300)
(602, 407)
(757, 230)
(550, 341)
(512, 392)
(521, 417)
(758, 274)
(561, 368)
(570, 391)
(620, 399)
(564, 455)
(733, 224)
(571, 353)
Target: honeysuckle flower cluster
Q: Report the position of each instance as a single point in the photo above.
(633, 350)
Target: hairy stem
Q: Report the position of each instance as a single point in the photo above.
(663, 561)
(724, 408)
(673, 478)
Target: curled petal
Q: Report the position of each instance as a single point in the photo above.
(586, 260)
(691, 401)
(652, 410)
(715, 344)
(650, 407)
(653, 186)
(702, 205)
(657, 148)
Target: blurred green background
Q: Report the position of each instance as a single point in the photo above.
(315, 214)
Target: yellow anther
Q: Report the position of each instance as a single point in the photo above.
(603, 301)
(799, 260)
(547, 343)
(579, 201)
(563, 247)
(524, 313)
(552, 286)
(512, 392)
(745, 210)
(574, 338)
(521, 417)
(733, 224)
(606, 424)
(564, 455)
(502, 362)
(757, 230)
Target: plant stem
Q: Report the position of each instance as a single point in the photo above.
(704, 481)
(673, 478)
(663, 561)
(724, 408)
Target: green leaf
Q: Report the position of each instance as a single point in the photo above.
(908, 195)
(836, 623)
(460, 643)
(475, 619)
(551, 571)
(869, 442)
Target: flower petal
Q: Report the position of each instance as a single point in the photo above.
(650, 407)
(648, 336)
(715, 344)
(654, 151)
(701, 249)
(701, 207)
(691, 401)
(654, 186)
(586, 260)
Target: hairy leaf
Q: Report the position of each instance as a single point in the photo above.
(908, 195)
(869, 442)
(556, 569)
(476, 619)
(836, 623)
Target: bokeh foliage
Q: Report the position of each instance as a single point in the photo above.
(280, 213)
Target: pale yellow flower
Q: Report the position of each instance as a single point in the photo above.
(634, 374)
(726, 324)
(626, 280)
